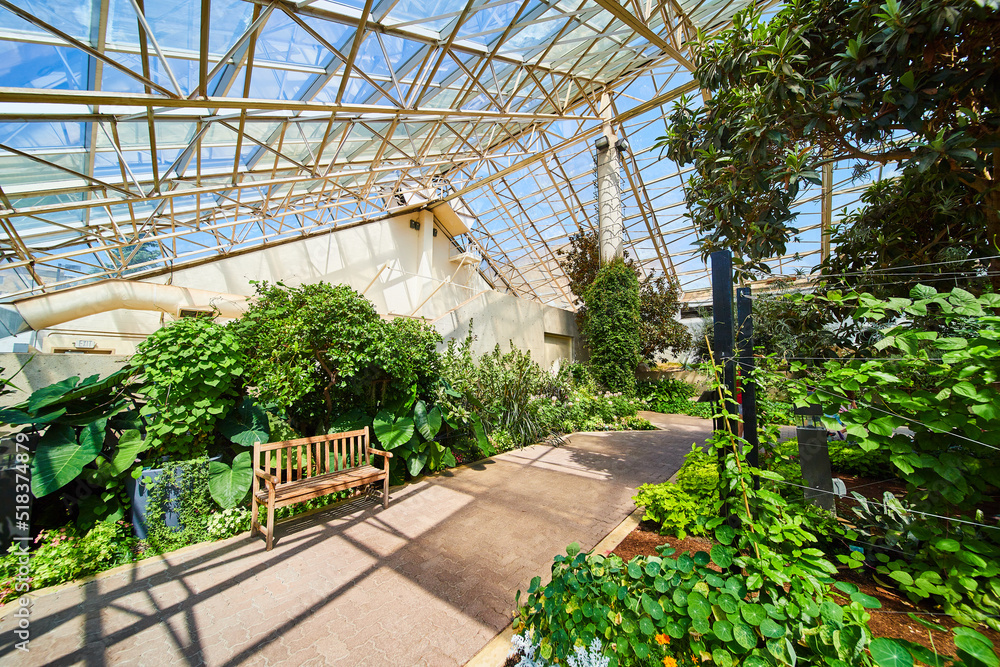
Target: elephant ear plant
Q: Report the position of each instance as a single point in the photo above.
(228, 483)
(88, 432)
(410, 430)
(409, 434)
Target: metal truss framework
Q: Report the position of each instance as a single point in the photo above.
(137, 136)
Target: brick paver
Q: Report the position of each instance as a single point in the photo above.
(428, 581)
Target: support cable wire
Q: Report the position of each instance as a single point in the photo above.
(905, 510)
(888, 412)
(801, 289)
(900, 270)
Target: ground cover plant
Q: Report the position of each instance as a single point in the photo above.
(671, 396)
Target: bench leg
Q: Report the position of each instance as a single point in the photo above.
(270, 522)
(254, 507)
(385, 493)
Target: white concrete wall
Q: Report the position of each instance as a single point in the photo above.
(41, 370)
(418, 279)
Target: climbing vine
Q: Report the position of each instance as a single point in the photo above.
(613, 326)
(181, 489)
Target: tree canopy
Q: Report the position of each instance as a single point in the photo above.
(316, 350)
(910, 84)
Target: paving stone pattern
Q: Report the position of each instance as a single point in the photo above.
(429, 581)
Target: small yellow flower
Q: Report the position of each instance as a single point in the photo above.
(669, 662)
(662, 639)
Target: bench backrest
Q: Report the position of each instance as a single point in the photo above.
(292, 460)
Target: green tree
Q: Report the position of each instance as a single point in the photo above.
(144, 252)
(612, 327)
(659, 297)
(307, 347)
(905, 224)
(909, 83)
(319, 351)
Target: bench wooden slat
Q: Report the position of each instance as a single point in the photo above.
(270, 446)
(324, 484)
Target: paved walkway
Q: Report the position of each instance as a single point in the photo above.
(429, 581)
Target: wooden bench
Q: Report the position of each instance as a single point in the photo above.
(294, 471)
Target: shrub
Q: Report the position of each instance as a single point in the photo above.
(699, 476)
(673, 508)
(409, 356)
(498, 387)
(847, 458)
(311, 350)
(612, 327)
(679, 506)
(666, 389)
(191, 370)
(584, 410)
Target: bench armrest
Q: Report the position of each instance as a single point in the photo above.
(266, 476)
(387, 455)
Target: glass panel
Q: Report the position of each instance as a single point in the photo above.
(176, 24)
(42, 135)
(284, 41)
(74, 17)
(424, 10)
(123, 26)
(17, 170)
(230, 19)
(273, 84)
(25, 65)
(492, 19)
(114, 80)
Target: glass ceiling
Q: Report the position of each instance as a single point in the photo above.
(140, 135)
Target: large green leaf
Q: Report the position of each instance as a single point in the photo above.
(889, 653)
(130, 445)
(59, 458)
(415, 463)
(13, 416)
(51, 394)
(93, 385)
(246, 424)
(974, 648)
(483, 442)
(229, 484)
(448, 459)
(392, 432)
(428, 422)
